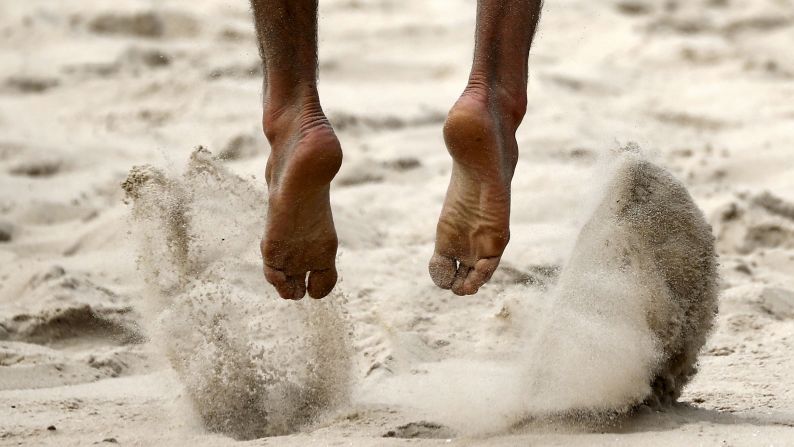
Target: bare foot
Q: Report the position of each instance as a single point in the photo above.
(474, 226)
(300, 237)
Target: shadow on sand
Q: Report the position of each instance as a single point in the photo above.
(682, 414)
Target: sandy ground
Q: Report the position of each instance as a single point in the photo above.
(87, 90)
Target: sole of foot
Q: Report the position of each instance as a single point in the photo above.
(474, 226)
(300, 237)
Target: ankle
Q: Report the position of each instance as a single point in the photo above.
(507, 101)
(301, 115)
(301, 136)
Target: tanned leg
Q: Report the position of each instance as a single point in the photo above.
(300, 237)
(474, 226)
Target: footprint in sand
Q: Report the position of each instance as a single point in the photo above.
(37, 168)
(421, 430)
(6, 231)
(29, 84)
(146, 24)
(242, 146)
(70, 307)
(755, 223)
(633, 306)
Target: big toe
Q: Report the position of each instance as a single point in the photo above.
(321, 282)
(468, 280)
(442, 270)
(288, 287)
(460, 280)
(479, 275)
(298, 286)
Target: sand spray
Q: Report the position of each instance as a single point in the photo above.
(622, 328)
(252, 364)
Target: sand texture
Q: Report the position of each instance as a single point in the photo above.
(132, 304)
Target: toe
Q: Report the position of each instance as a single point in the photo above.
(298, 286)
(279, 280)
(321, 282)
(442, 270)
(460, 279)
(480, 274)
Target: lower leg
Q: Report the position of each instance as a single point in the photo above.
(305, 154)
(505, 30)
(473, 229)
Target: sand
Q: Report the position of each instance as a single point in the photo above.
(120, 324)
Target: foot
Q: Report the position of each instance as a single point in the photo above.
(300, 237)
(474, 226)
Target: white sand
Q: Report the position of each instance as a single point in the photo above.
(706, 87)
